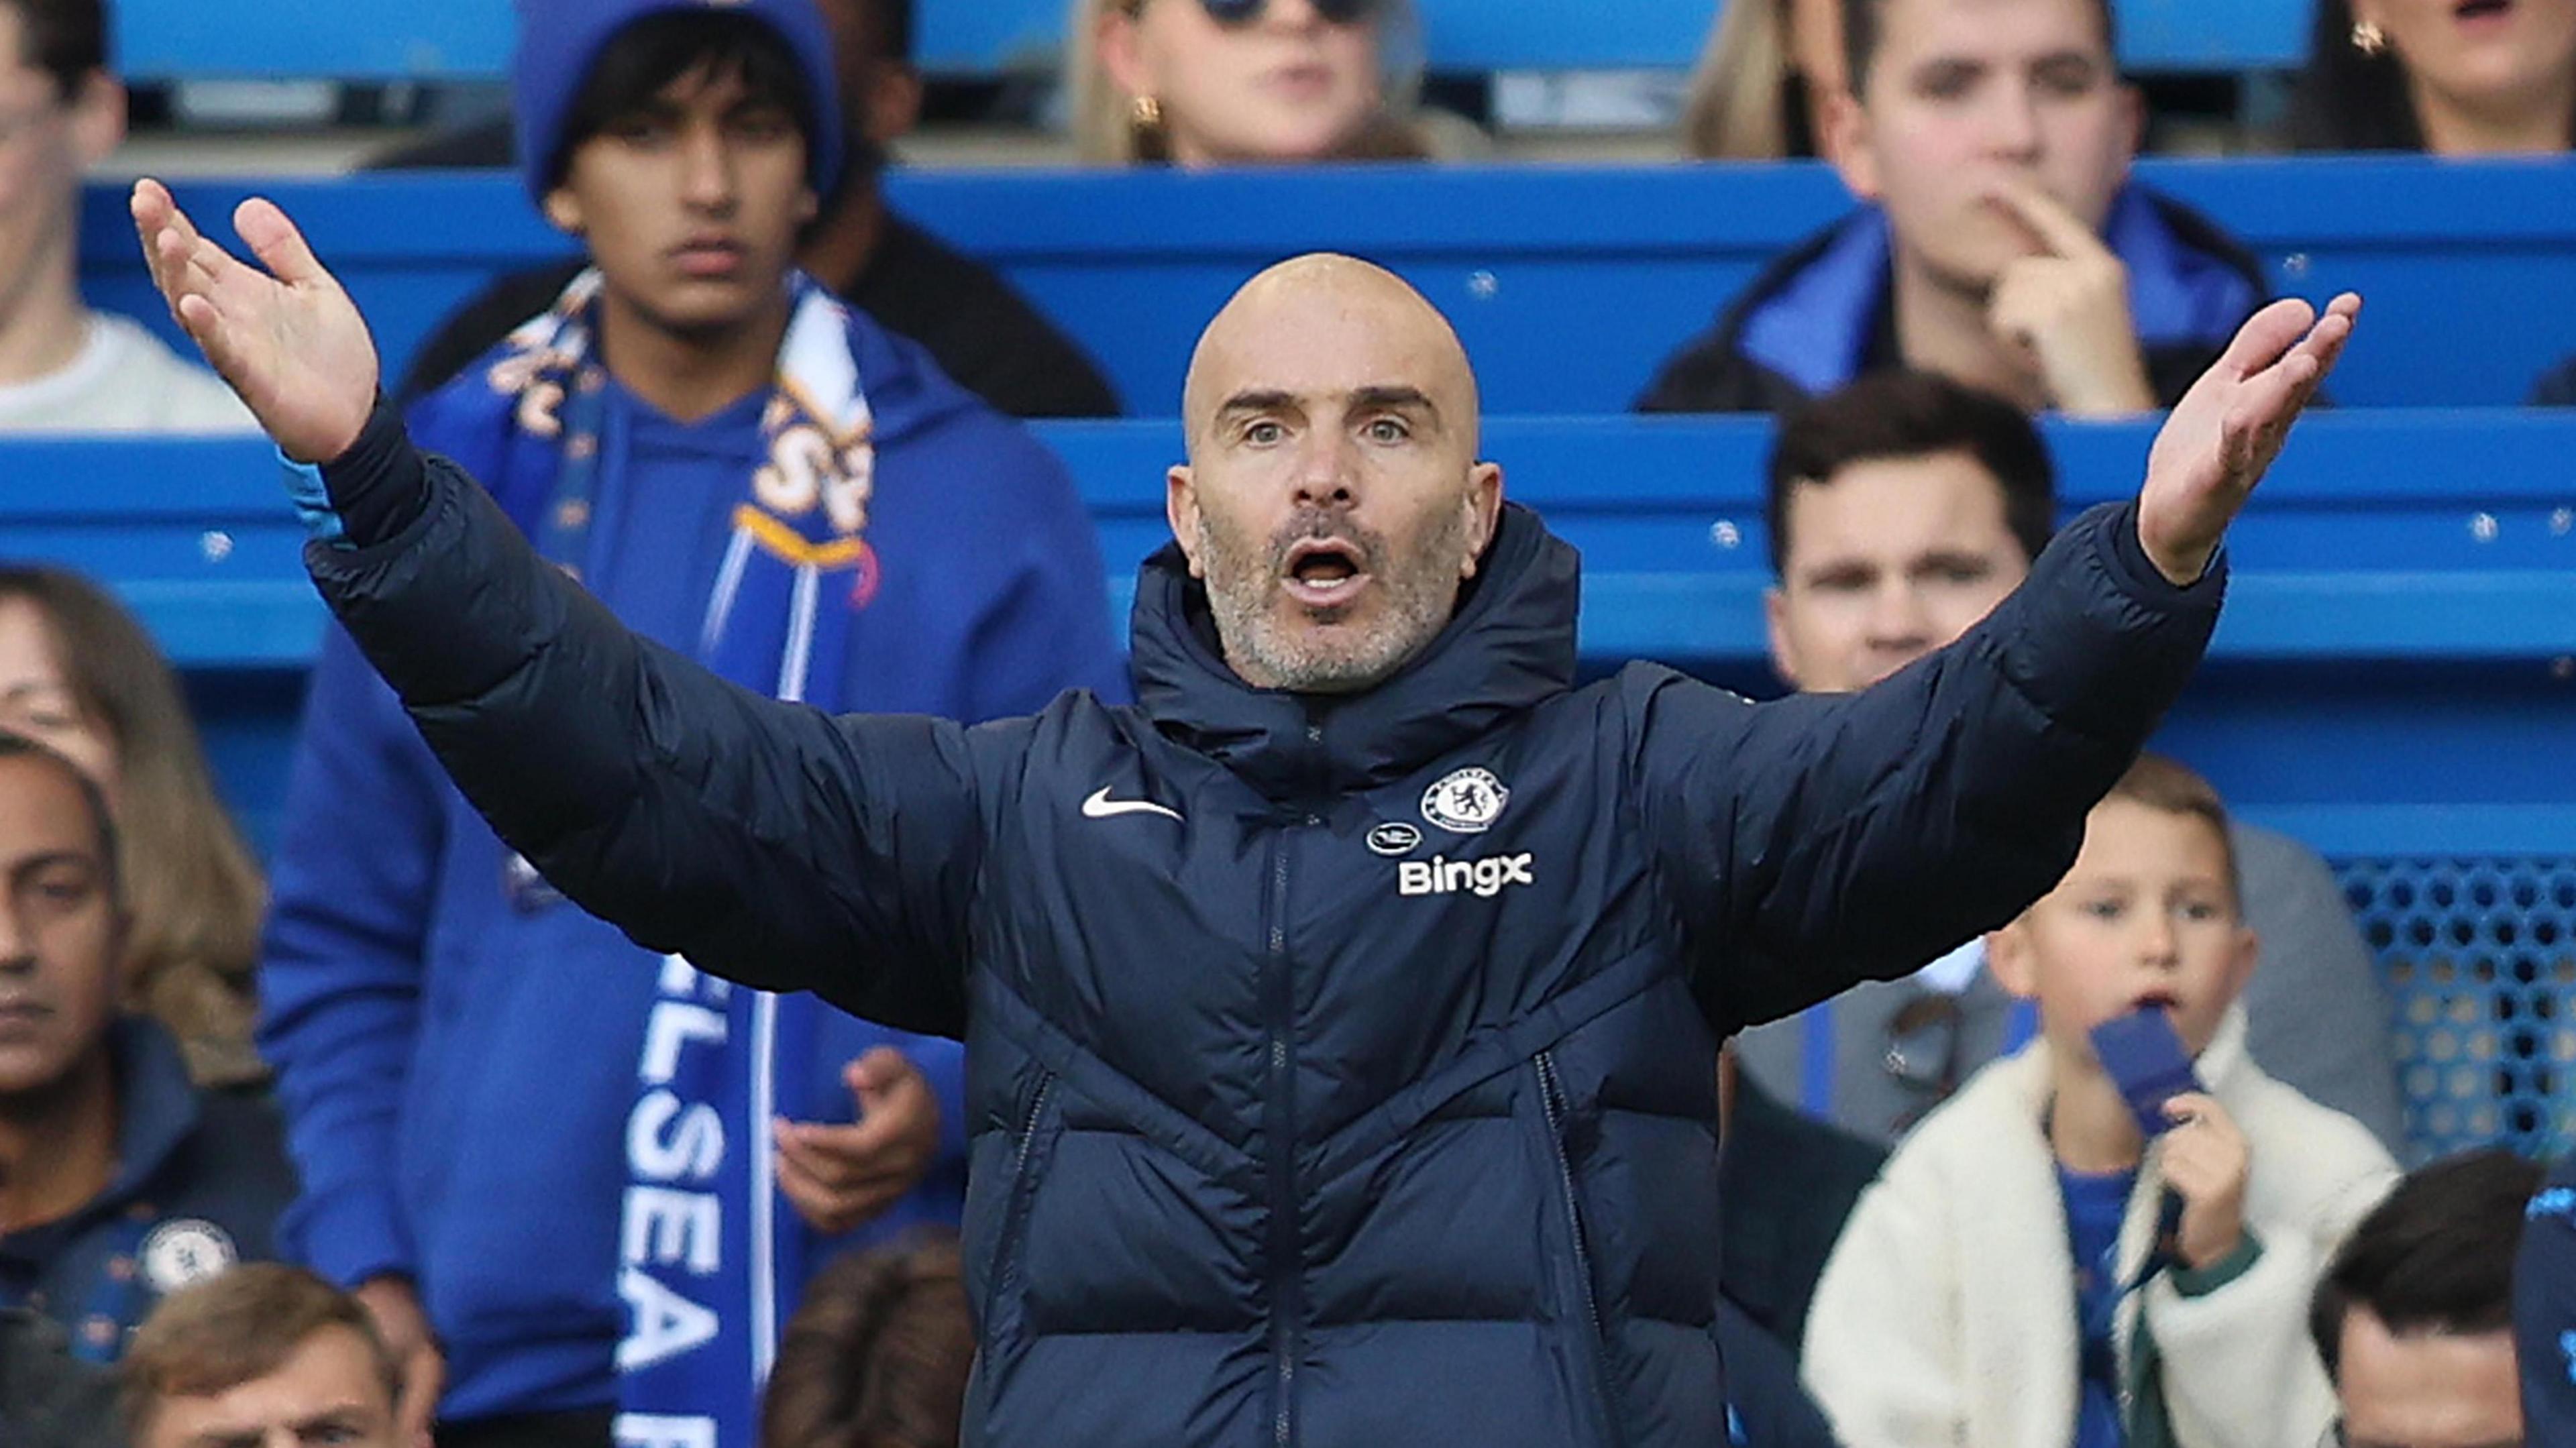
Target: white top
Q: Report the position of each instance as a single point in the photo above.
(123, 380)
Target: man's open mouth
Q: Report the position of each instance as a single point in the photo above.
(1322, 572)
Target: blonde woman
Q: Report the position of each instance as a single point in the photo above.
(78, 673)
(1200, 83)
(1759, 90)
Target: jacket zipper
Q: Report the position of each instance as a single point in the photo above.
(1551, 1093)
(1279, 1002)
(1017, 1219)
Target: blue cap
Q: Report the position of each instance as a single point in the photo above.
(560, 40)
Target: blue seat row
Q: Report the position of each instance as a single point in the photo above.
(470, 39)
(1569, 285)
(2393, 681)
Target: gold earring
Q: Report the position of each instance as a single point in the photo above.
(2368, 38)
(1145, 113)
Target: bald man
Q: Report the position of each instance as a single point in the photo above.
(1342, 1017)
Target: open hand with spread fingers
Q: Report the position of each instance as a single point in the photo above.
(2217, 442)
(287, 339)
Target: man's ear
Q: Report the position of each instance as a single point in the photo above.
(1784, 650)
(97, 113)
(1846, 142)
(2011, 960)
(894, 103)
(1181, 508)
(1484, 504)
(564, 210)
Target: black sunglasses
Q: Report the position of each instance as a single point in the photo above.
(1232, 13)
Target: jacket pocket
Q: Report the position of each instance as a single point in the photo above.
(1551, 1095)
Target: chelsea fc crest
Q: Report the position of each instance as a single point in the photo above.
(1465, 800)
(185, 1251)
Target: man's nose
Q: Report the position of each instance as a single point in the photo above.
(1328, 471)
(706, 175)
(17, 941)
(1898, 621)
(2011, 120)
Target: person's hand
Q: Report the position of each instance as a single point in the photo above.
(2205, 1162)
(287, 339)
(405, 1330)
(2218, 440)
(841, 1176)
(2066, 310)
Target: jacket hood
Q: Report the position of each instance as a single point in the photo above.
(1509, 645)
(1809, 316)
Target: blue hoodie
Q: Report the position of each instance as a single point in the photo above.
(1822, 315)
(457, 1049)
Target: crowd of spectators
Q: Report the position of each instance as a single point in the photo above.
(463, 1109)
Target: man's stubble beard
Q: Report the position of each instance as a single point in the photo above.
(1243, 582)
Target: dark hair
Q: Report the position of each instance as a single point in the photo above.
(66, 39)
(1861, 33)
(647, 56)
(15, 746)
(2435, 1257)
(237, 1327)
(877, 1356)
(895, 28)
(1907, 415)
(2348, 101)
(194, 893)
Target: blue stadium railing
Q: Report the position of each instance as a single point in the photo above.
(2394, 681)
(470, 39)
(1569, 285)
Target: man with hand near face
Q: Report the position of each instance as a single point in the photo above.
(1342, 1016)
(2003, 243)
(573, 1180)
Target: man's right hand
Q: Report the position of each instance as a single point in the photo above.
(288, 339)
(405, 1329)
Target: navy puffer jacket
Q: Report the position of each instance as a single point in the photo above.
(1341, 1070)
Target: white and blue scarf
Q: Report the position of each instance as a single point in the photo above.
(710, 1254)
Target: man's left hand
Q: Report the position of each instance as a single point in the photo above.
(840, 1177)
(2219, 439)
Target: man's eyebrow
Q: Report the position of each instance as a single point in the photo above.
(1395, 397)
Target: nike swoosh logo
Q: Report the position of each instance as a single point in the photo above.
(1100, 807)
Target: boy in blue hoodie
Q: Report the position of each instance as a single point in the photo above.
(578, 1191)
(2003, 245)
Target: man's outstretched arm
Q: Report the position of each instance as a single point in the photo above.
(1823, 840)
(767, 842)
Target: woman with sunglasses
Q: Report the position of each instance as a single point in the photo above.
(1200, 83)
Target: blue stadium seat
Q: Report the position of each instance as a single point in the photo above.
(470, 39)
(1569, 285)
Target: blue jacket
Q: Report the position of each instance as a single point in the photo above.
(456, 1054)
(200, 1179)
(1821, 315)
(1341, 1071)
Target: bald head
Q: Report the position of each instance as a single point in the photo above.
(1333, 503)
(1329, 326)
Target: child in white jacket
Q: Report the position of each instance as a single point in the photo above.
(2029, 1271)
